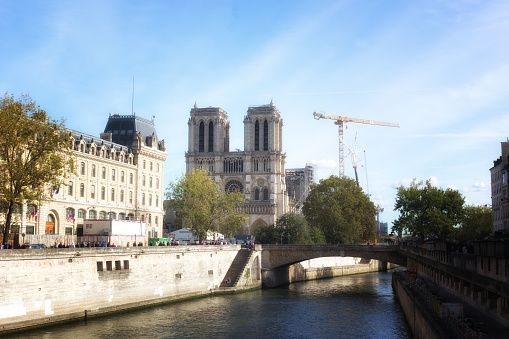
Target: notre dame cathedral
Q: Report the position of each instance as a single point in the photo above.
(258, 171)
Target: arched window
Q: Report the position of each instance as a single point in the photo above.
(130, 197)
(150, 182)
(157, 201)
(81, 214)
(112, 194)
(102, 215)
(121, 216)
(82, 190)
(143, 180)
(257, 194)
(201, 140)
(157, 183)
(103, 193)
(265, 135)
(233, 185)
(92, 192)
(257, 136)
(143, 198)
(121, 195)
(69, 188)
(265, 194)
(150, 199)
(211, 136)
(92, 214)
(112, 216)
(69, 213)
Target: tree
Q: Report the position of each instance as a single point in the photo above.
(340, 210)
(34, 154)
(203, 205)
(427, 211)
(477, 223)
(289, 228)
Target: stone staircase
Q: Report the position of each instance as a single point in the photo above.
(237, 268)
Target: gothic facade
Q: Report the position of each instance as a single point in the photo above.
(258, 171)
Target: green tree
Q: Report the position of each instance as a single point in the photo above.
(340, 210)
(266, 234)
(203, 205)
(477, 223)
(427, 211)
(290, 228)
(34, 154)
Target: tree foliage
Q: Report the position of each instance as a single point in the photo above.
(290, 228)
(34, 154)
(476, 224)
(340, 210)
(203, 205)
(427, 211)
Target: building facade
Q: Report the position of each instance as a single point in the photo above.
(499, 190)
(258, 171)
(117, 176)
(298, 185)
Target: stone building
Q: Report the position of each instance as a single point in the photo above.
(499, 190)
(117, 176)
(258, 171)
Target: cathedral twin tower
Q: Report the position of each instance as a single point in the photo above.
(258, 171)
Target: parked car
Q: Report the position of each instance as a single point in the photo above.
(37, 246)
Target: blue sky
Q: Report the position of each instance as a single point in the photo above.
(438, 68)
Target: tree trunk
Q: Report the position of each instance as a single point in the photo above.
(7, 227)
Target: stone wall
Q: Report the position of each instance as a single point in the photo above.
(44, 286)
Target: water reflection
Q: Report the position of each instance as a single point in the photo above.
(360, 306)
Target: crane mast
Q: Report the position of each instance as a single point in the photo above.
(339, 120)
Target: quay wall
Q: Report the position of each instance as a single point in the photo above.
(38, 287)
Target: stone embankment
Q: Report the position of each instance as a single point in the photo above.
(39, 287)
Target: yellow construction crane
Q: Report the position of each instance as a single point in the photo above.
(339, 121)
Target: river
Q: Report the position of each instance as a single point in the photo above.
(356, 306)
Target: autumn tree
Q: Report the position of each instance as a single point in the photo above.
(427, 211)
(203, 205)
(476, 224)
(341, 210)
(34, 154)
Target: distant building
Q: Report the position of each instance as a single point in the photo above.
(499, 190)
(258, 171)
(118, 176)
(383, 229)
(298, 184)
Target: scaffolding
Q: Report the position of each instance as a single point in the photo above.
(298, 184)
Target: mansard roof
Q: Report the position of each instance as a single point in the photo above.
(89, 139)
(124, 127)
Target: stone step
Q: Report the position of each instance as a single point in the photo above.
(237, 267)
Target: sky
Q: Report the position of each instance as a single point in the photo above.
(440, 69)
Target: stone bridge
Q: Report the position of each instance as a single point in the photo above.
(277, 256)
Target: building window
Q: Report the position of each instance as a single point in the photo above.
(103, 193)
(233, 185)
(103, 173)
(112, 194)
(93, 171)
(82, 168)
(121, 195)
(113, 175)
(150, 182)
(257, 194)
(150, 199)
(131, 178)
(102, 215)
(201, 142)
(157, 166)
(144, 164)
(156, 220)
(69, 188)
(143, 180)
(211, 136)
(265, 135)
(265, 194)
(92, 192)
(92, 214)
(121, 216)
(82, 190)
(143, 198)
(69, 213)
(257, 136)
(122, 176)
(151, 165)
(130, 197)
(81, 214)
(157, 200)
(157, 183)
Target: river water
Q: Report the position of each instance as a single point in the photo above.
(356, 306)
